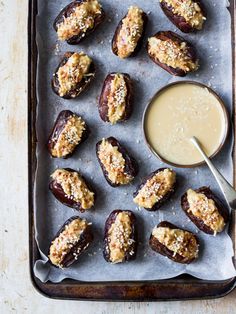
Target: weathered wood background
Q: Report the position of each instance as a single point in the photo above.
(17, 295)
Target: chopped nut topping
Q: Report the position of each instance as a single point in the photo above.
(69, 137)
(206, 210)
(130, 32)
(74, 187)
(80, 20)
(66, 240)
(188, 9)
(73, 71)
(119, 241)
(117, 98)
(114, 163)
(178, 241)
(156, 188)
(172, 53)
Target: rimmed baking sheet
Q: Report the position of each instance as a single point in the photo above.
(214, 47)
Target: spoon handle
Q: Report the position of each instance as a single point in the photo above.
(226, 188)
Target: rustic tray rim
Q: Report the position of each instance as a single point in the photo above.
(183, 287)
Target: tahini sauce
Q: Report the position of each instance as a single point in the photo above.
(178, 113)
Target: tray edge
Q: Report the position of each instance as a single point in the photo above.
(108, 291)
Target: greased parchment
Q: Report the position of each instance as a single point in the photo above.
(214, 50)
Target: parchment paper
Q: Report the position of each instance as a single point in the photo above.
(214, 48)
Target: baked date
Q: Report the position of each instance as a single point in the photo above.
(118, 167)
(172, 53)
(155, 189)
(129, 33)
(68, 132)
(77, 20)
(187, 15)
(71, 240)
(179, 245)
(205, 210)
(71, 189)
(115, 103)
(120, 237)
(73, 74)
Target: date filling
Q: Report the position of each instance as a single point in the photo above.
(172, 53)
(72, 72)
(69, 137)
(130, 32)
(206, 210)
(74, 187)
(178, 241)
(119, 240)
(155, 188)
(116, 99)
(80, 20)
(189, 10)
(67, 239)
(113, 162)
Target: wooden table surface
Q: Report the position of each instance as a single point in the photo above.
(17, 294)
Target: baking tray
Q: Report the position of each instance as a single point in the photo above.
(184, 287)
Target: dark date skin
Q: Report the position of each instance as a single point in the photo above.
(59, 125)
(171, 36)
(179, 20)
(163, 200)
(197, 221)
(74, 40)
(133, 247)
(103, 101)
(131, 165)
(163, 250)
(139, 42)
(85, 240)
(60, 195)
(80, 87)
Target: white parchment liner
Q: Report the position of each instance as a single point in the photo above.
(214, 49)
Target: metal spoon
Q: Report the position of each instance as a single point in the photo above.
(226, 188)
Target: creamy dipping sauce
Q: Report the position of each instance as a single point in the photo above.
(179, 112)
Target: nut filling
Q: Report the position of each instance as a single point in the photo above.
(156, 188)
(178, 241)
(72, 72)
(67, 239)
(189, 10)
(74, 187)
(119, 241)
(130, 32)
(172, 53)
(206, 210)
(69, 137)
(80, 20)
(114, 163)
(117, 98)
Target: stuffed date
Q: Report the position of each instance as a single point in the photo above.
(71, 240)
(155, 189)
(120, 237)
(118, 167)
(75, 71)
(115, 103)
(205, 210)
(77, 20)
(177, 244)
(187, 15)
(172, 53)
(71, 189)
(68, 132)
(128, 36)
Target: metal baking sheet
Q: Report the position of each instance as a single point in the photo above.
(146, 161)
